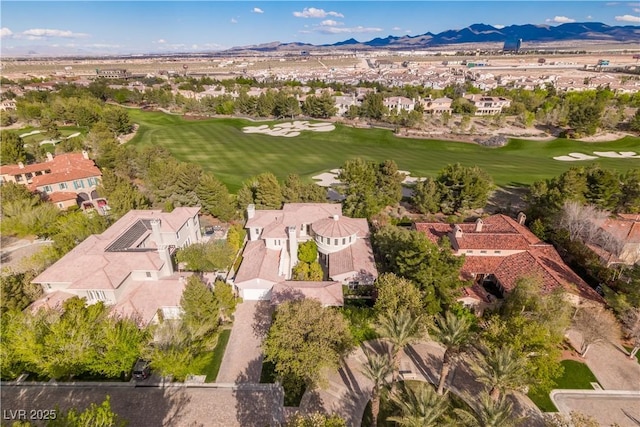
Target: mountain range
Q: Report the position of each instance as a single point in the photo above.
(481, 33)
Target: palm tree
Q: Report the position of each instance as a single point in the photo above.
(400, 329)
(378, 368)
(488, 413)
(499, 369)
(420, 406)
(454, 334)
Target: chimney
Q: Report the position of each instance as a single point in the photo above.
(336, 217)
(521, 218)
(49, 157)
(457, 231)
(155, 232)
(165, 256)
(85, 155)
(479, 224)
(251, 211)
(21, 165)
(293, 245)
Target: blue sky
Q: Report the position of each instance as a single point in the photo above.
(170, 26)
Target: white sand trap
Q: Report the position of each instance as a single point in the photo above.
(336, 171)
(411, 180)
(574, 157)
(33, 132)
(49, 141)
(73, 135)
(326, 179)
(620, 155)
(289, 129)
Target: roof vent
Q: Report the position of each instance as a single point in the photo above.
(336, 217)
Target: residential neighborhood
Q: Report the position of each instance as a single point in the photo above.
(213, 228)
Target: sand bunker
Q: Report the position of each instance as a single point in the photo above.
(575, 157)
(327, 179)
(620, 155)
(289, 130)
(33, 132)
(73, 135)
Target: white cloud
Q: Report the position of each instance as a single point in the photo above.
(589, 17)
(407, 31)
(46, 32)
(612, 3)
(234, 21)
(312, 12)
(5, 32)
(396, 28)
(257, 10)
(498, 26)
(636, 10)
(330, 23)
(348, 30)
(561, 20)
(161, 41)
(628, 18)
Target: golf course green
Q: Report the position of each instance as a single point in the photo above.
(221, 147)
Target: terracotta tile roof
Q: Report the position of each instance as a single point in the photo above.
(534, 257)
(328, 293)
(434, 230)
(63, 167)
(258, 262)
(51, 300)
(61, 196)
(624, 227)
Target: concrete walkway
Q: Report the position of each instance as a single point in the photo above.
(242, 360)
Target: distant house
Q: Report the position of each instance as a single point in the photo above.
(488, 105)
(622, 234)
(399, 103)
(128, 267)
(66, 180)
(498, 251)
(7, 104)
(117, 73)
(437, 106)
(343, 103)
(272, 251)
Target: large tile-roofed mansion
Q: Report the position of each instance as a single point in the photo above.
(65, 180)
(498, 251)
(272, 251)
(129, 266)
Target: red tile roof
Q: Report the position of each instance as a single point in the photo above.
(61, 196)
(534, 257)
(63, 167)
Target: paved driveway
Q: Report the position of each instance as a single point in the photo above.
(608, 407)
(243, 405)
(242, 361)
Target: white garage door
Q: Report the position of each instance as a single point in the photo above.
(256, 294)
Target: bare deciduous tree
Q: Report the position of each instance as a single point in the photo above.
(631, 328)
(595, 325)
(582, 221)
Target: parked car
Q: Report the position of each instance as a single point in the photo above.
(141, 370)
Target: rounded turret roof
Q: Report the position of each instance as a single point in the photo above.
(334, 227)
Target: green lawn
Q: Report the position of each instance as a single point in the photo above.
(220, 146)
(576, 376)
(209, 363)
